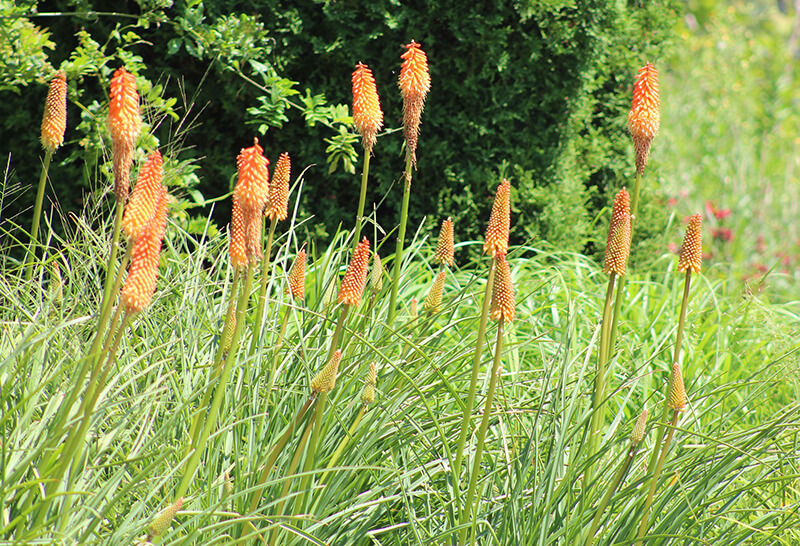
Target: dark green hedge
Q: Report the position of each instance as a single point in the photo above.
(532, 90)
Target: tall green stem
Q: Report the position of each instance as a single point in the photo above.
(476, 367)
(401, 235)
(656, 472)
(37, 213)
(312, 451)
(343, 444)
(219, 393)
(469, 511)
(262, 292)
(362, 200)
(112, 257)
(601, 508)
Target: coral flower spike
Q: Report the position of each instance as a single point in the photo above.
(356, 275)
(236, 247)
(278, 206)
(367, 114)
(145, 197)
(124, 124)
(414, 83)
(644, 118)
(54, 121)
(496, 241)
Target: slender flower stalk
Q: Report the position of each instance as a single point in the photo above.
(495, 244)
(689, 261)
(414, 83)
(54, 125)
(368, 119)
(637, 435)
(618, 247)
(503, 310)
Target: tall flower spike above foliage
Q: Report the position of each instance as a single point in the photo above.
(677, 391)
(356, 275)
(644, 118)
(691, 256)
(141, 282)
(252, 193)
(503, 305)
(145, 197)
(499, 221)
(297, 276)
(278, 206)
(367, 114)
(445, 246)
(236, 247)
(124, 124)
(54, 120)
(414, 83)
(618, 245)
(325, 380)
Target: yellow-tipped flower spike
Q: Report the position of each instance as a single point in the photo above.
(252, 187)
(677, 392)
(236, 247)
(433, 302)
(356, 275)
(54, 120)
(141, 282)
(368, 392)
(618, 246)
(367, 114)
(445, 246)
(124, 124)
(278, 206)
(144, 199)
(325, 380)
(376, 274)
(503, 305)
(297, 276)
(644, 118)
(162, 520)
(637, 434)
(414, 83)
(691, 256)
(499, 221)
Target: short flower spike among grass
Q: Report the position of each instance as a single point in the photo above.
(503, 305)
(278, 206)
(325, 380)
(162, 520)
(496, 241)
(141, 282)
(236, 246)
(618, 246)
(691, 256)
(144, 198)
(644, 118)
(433, 301)
(356, 275)
(445, 245)
(414, 83)
(376, 274)
(368, 392)
(297, 276)
(677, 392)
(124, 124)
(367, 114)
(54, 121)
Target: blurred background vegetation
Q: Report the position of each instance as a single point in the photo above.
(531, 90)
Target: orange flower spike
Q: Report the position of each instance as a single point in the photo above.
(252, 187)
(297, 276)
(691, 256)
(356, 275)
(252, 234)
(445, 246)
(278, 207)
(618, 245)
(644, 118)
(124, 120)
(496, 241)
(145, 197)
(236, 248)
(54, 121)
(503, 306)
(367, 114)
(325, 380)
(141, 282)
(414, 83)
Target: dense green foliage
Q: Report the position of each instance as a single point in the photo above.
(535, 91)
